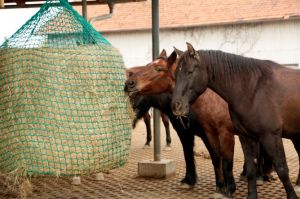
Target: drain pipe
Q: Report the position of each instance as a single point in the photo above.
(111, 4)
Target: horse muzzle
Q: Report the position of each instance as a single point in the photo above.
(179, 108)
(130, 86)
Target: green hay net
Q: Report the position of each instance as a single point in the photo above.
(62, 105)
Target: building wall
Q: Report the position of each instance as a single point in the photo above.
(13, 19)
(277, 41)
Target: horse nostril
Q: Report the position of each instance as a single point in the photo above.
(186, 106)
(176, 106)
(130, 83)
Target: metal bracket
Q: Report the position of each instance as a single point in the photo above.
(110, 4)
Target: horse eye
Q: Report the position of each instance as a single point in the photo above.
(159, 69)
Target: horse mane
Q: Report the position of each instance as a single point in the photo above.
(222, 64)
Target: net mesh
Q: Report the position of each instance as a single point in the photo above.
(62, 105)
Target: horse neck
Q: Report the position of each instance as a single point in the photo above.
(234, 90)
(161, 101)
(224, 91)
(141, 103)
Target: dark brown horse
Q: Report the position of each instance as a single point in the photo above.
(136, 103)
(263, 98)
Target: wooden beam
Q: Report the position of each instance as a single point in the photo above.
(38, 3)
(1, 3)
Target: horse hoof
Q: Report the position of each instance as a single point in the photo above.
(146, 146)
(217, 195)
(226, 197)
(185, 186)
(297, 190)
(167, 148)
(259, 182)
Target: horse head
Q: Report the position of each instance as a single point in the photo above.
(154, 78)
(191, 80)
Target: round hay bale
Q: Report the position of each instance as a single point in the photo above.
(62, 105)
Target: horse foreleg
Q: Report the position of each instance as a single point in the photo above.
(265, 166)
(187, 141)
(217, 163)
(259, 178)
(227, 151)
(274, 147)
(165, 120)
(243, 175)
(250, 149)
(147, 120)
(296, 143)
(212, 144)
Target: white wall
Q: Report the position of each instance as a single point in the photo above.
(277, 41)
(12, 19)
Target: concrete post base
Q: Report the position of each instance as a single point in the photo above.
(156, 169)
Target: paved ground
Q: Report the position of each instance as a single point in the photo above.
(124, 182)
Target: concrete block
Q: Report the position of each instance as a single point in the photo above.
(156, 169)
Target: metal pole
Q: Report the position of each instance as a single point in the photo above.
(155, 53)
(84, 9)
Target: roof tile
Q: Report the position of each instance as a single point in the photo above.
(178, 13)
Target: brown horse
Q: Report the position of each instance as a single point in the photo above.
(211, 110)
(146, 116)
(263, 98)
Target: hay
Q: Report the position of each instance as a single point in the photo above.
(63, 110)
(12, 186)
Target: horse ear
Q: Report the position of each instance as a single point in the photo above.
(178, 52)
(172, 58)
(191, 49)
(163, 53)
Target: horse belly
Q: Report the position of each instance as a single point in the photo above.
(291, 129)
